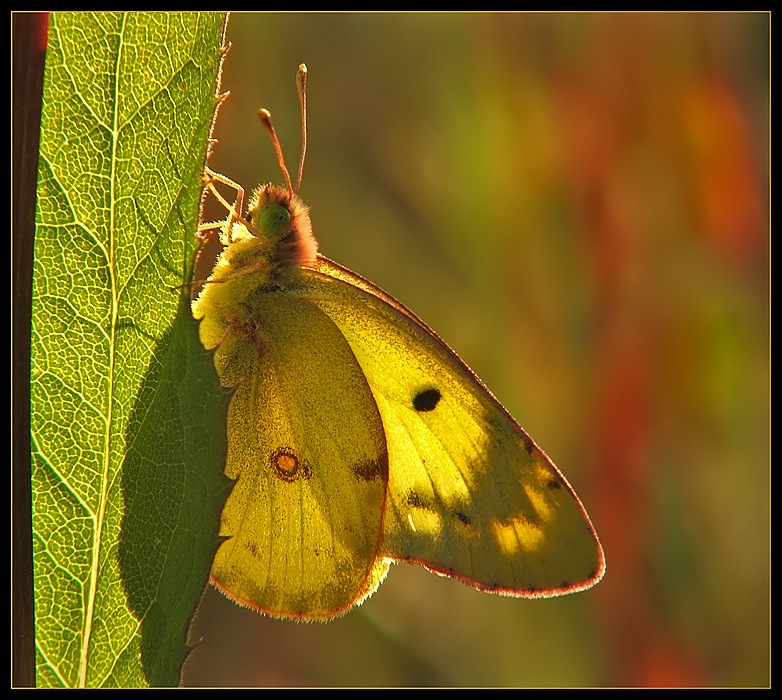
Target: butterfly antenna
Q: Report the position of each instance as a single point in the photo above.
(266, 120)
(301, 86)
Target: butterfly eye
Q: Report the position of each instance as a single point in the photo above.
(426, 400)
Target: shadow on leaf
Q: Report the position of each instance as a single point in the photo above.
(173, 489)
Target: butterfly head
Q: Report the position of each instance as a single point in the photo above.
(280, 217)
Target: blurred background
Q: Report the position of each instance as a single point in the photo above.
(578, 204)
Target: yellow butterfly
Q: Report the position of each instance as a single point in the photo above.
(357, 438)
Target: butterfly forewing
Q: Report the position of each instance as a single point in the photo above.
(470, 494)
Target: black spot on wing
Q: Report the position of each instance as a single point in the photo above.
(252, 548)
(426, 400)
(418, 502)
(371, 469)
(553, 484)
(415, 500)
(529, 446)
(463, 518)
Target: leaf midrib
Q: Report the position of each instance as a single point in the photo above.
(103, 500)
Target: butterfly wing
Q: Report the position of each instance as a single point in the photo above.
(470, 494)
(303, 522)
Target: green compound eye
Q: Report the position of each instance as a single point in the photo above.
(272, 220)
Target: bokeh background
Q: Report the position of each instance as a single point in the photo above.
(578, 204)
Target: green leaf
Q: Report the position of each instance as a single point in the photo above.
(127, 418)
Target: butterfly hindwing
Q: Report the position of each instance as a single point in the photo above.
(303, 521)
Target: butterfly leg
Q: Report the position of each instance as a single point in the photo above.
(205, 231)
(238, 327)
(211, 177)
(246, 270)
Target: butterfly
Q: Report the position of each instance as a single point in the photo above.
(357, 437)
